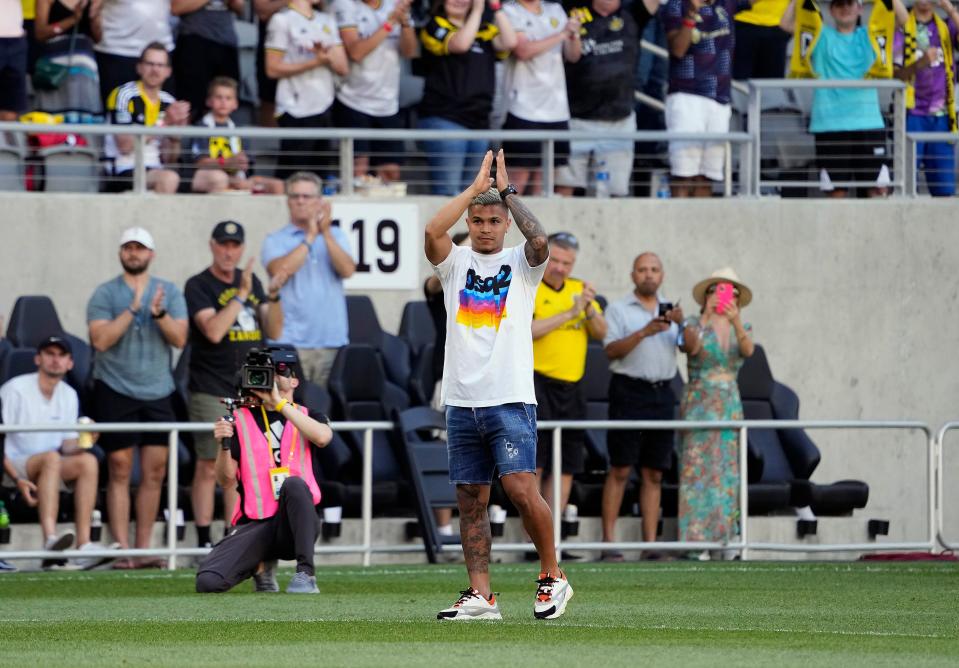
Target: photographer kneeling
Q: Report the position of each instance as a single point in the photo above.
(271, 465)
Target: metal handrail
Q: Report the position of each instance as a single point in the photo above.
(366, 548)
(940, 440)
(913, 138)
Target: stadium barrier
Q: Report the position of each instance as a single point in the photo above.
(913, 139)
(774, 155)
(366, 549)
(940, 527)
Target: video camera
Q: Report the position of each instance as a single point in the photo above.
(258, 372)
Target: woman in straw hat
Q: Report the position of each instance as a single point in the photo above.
(717, 343)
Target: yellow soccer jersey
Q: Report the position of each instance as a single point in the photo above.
(561, 354)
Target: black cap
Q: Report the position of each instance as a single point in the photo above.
(228, 230)
(55, 340)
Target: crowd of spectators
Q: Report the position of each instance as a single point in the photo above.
(525, 65)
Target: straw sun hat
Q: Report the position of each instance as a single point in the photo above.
(724, 275)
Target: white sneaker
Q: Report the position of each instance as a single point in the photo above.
(471, 605)
(57, 544)
(552, 595)
(89, 563)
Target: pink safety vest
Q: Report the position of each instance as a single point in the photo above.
(256, 460)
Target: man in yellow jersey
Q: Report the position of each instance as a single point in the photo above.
(565, 316)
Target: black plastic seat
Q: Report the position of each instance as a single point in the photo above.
(785, 459)
(429, 469)
(417, 327)
(365, 329)
(17, 362)
(33, 319)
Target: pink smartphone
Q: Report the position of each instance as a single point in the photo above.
(724, 296)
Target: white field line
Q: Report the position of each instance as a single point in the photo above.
(587, 625)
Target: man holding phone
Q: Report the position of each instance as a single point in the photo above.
(641, 340)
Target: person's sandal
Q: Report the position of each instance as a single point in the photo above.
(611, 557)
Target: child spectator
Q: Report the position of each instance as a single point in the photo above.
(221, 163)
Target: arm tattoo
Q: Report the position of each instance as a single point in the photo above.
(537, 243)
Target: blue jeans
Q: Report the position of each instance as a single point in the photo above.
(936, 159)
(481, 440)
(453, 162)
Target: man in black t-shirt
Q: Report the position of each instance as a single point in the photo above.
(600, 91)
(229, 314)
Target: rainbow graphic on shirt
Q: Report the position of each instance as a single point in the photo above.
(483, 300)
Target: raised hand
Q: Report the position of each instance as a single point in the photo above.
(502, 178)
(483, 182)
(270, 399)
(138, 291)
(156, 304)
(278, 281)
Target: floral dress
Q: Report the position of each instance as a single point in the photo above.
(709, 458)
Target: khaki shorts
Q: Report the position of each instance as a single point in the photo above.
(584, 156)
(205, 408)
(317, 363)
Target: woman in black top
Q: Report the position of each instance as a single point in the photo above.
(461, 43)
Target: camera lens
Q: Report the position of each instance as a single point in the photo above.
(256, 378)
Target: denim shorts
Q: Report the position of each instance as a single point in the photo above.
(481, 440)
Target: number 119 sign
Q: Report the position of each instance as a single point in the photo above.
(386, 243)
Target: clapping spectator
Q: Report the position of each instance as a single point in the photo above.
(924, 58)
(13, 61)
(536, 83)
(460, 44)
(700, 36)
(600, 90)
(144, 102)
(135, 322)
(124, 28)
(222, 163)
(376, 35)
(206, 47)
(304, 52)
(848, 124)
(760, 51)
(65, 32)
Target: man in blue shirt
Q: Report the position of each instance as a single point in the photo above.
(315, 255)
(135, 321)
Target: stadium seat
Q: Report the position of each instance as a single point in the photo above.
(72, 169)
(417, 327)
(423, 378)
(361, 392)
(332, 462)
(785, 459)
(33, 319)
(17, 362)
(429, 466)
(365, 329)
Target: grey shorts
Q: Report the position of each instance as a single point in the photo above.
(205, 408)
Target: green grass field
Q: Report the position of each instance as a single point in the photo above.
(622, 614)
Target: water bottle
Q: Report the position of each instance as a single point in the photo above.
(602, 180)
(4, 524)
(96, 526)
(331, 186)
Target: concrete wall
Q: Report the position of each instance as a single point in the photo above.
(857, 303)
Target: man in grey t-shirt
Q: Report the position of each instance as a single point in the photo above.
(135, 321)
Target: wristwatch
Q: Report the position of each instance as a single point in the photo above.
(508, 190)
(273, 299)
(157, 316)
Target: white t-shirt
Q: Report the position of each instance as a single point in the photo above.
(489, 315)
(536, 88)
(373, 84)
(308, 93)
(24, 403)
(129, 25)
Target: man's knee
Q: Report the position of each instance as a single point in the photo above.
(651, 476)
(521, 490)
(208, 582)
(619, 473)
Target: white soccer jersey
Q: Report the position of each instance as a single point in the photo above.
(308, 93)
(373, 84)
(536, 88)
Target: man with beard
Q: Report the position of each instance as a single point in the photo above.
(640, 342)
(135, 321)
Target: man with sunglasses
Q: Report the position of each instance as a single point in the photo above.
(565, 317)
(144, 102)
(269, 461)
(315, 255)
